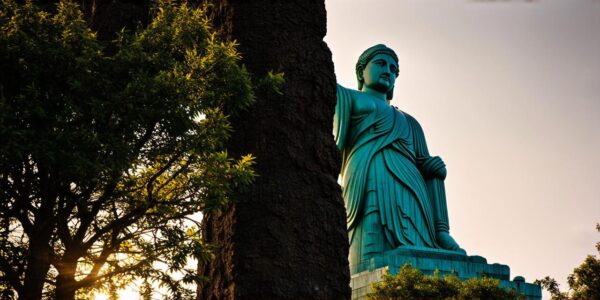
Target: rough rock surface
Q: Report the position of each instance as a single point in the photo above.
(286, 237)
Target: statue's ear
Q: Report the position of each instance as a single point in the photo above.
(359, 75)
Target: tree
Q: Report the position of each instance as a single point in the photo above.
(106, 155)
(410, 283)
(584, 282)
(285, 237)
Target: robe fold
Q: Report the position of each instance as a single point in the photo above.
(385, 193)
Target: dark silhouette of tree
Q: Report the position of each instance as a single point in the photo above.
(105, 155)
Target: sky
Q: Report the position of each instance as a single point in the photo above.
(508, 94)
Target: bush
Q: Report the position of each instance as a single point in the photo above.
(410, 283)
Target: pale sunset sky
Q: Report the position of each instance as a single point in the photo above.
(508, 93)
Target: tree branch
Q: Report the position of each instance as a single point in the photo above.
(107, 250)
(89, 280)
(10, 274)
(175, 174)
(64, 211)
(152, 180)
(108, 191)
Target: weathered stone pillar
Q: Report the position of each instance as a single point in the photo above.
(285, 237)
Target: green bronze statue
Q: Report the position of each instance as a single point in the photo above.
(393, 189)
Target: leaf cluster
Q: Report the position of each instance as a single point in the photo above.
(411, 283)
(105, 156)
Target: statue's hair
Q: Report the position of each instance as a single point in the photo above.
(366, 57)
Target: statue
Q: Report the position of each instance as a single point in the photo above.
(393, 189)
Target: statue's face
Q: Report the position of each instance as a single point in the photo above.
(380, 73)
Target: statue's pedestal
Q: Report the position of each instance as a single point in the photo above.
(428, 260)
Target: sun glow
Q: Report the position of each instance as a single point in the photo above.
(127, 294)
(100, 297)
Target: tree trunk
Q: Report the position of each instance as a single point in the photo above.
(65, 281)
(285, 237)
(38, 259)
(63, 291)
(38, 264)
(108, 17)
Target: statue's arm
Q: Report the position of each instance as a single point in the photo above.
(433, 170)
(430, 167)
(341, 119)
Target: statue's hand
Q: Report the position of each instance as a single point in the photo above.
(447, 242)
(432, 167)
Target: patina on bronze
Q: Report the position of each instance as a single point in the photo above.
(393, 188)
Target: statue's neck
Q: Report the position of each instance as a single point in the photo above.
(376, 94)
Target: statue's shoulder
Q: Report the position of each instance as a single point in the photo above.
(408, 116)
(348, 97)
(346, 91)
(411, 120)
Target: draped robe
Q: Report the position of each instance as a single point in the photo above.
(385, 193)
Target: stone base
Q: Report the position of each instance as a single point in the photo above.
(429, 260)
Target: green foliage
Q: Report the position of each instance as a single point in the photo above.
(585, 280)
(552, 286)
(271, 83)
(410, 283)
(106, 156)
(584, 283)
(146, 291)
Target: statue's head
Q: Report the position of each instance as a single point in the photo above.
(368, 55)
